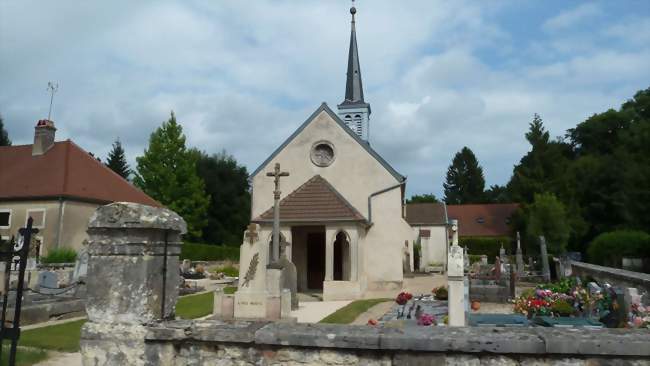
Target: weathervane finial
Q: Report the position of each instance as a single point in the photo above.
(52, 88)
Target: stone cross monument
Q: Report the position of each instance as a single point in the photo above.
(276, 174)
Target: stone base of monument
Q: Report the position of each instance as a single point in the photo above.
(253, 306)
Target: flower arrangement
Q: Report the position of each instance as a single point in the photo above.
(638, 316)
(403, 298)
(440, 293)
(426, 320)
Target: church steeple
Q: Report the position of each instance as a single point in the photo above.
(354, 111)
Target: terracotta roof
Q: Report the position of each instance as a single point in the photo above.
(66, 170)
(426, 213)
(482, 219)
(315, 200)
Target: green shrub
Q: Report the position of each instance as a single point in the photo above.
(562, 308)
(488, 246)
(208, 252)
(473, 258)
(60, 255)
(609, 248)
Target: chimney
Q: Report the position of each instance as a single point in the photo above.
(43, 137)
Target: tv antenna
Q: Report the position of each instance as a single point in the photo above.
(51, 88)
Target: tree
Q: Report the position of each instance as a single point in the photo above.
(116, 160)
(547, 216)
(167, 173)
(423, 198)
(543, 168)
(465, 182)
(4, 136)
(497, 194)
(226, 182)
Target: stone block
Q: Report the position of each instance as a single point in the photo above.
(250, 305)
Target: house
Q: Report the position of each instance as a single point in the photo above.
(429, 224)
(483, 220)
(59, 185)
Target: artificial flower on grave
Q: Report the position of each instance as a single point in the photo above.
(372, 322)
(403, 298)
(426, 320)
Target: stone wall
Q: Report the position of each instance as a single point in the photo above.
(614, 276)
(212, 342)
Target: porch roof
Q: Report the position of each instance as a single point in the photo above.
(314, 201)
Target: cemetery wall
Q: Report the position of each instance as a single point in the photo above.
(614, 276)
(250, 343)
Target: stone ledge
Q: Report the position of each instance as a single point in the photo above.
(522, 341)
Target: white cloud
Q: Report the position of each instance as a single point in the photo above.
(572, 17)
(242, 76)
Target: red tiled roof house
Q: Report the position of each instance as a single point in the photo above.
(59, 185)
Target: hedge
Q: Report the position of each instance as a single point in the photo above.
(60, 255)
(209, 252)
(609, 248)
(485, 245)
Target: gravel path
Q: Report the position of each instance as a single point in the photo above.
(374, 312)
(62, 359)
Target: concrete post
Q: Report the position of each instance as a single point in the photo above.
(546, 270)
(126, 286)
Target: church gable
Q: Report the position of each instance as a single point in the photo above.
(342, 125)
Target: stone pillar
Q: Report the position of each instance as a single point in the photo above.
(546, 270)
(520, 258)
(354, 255)
(330, 236)
(456, 283)
(125, 281)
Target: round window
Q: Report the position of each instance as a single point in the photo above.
(322, 154)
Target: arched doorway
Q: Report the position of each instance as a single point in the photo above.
(341, 257)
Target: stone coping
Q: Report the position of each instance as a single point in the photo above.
(133, 215)
(535, 340)
(639, 277)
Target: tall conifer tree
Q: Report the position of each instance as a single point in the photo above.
(116, 160)
(465, 182)
(167, 172)
(4, 136)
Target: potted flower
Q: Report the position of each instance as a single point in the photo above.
(402, 298)
(441, 293)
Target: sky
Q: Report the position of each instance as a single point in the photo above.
(241, 76)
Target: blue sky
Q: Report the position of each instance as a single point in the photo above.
(241, 76)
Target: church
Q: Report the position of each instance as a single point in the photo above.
(341, 206)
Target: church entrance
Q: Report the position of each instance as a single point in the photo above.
(309, 256)
(315, 260)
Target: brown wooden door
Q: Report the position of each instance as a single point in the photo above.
(315, 260)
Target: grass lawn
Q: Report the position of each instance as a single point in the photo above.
(24, 356)
(229, 290)
(60, 337)
(195, 306)
(351, 311)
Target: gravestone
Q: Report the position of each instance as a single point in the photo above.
(48, 282)
(81, 265)
(186, 266)
(289, 276)
(466, 257)
(502, 254)
(546, 269)
(484, 259)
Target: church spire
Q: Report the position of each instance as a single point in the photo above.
(354, 111)
(353, 85)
